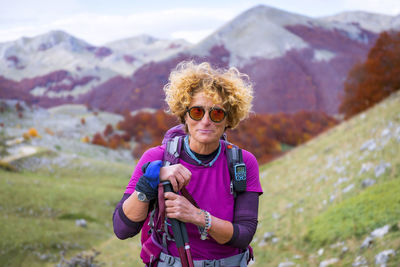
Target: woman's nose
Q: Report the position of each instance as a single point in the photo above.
(206, 118)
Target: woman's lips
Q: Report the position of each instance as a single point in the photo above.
(205, 131)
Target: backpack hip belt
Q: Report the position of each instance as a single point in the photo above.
(236, 260)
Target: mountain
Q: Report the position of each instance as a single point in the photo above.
(295, 62)
(56, 67)
(369, 21)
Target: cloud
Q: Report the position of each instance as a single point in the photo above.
(191, 24)
(192, 36)
(101, 25)
(390, 7)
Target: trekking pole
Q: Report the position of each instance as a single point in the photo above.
(187, 245)
(180, 235)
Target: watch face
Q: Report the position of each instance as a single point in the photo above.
(142, 197)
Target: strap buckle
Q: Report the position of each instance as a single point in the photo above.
(170, 260)
(211, 263)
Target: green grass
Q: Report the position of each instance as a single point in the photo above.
(358, 215)
(38, 210)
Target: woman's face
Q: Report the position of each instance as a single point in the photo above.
(204, 132)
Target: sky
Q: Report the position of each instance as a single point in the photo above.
(101, 21)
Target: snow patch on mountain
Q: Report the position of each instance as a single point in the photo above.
(77, 91)
(369, 21)
(258, 32)
(323, 55)
(144, 48)
(261, 32)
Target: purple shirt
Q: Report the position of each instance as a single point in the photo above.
(210, 187)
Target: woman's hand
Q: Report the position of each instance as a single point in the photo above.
(177, 174)
(178, 207)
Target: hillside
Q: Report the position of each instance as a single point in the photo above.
(321, 201)
(310, 193)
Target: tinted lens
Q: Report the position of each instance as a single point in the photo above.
(217, 114)
(196, 113)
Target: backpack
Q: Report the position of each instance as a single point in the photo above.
(155, 232)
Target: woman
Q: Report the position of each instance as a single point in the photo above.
(207, 101)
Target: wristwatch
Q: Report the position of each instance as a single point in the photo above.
(142, 197)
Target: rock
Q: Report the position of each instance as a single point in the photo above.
(300, 210)
(321, 178)
(313, 158)
(345, 250)
(385, 132)
(286, 264)
(368, 241)
(268, 235)
(365, 167)
(332, 198)
(328, 262)
(340, 169)
(397, 131)
(341, 180)
(262, 243)
(337, 245)
(81, 223)
(368, 182)
(276, 216)
(380, 232)
(360, 261)
(381, 168)
(320, 252)
(369, 145)
(382, 258)
(275, 240)
(348, 188)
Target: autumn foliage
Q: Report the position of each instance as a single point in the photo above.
(265, 135)
(369, 82)
(269, 135)
(146, 128)
(110, 139)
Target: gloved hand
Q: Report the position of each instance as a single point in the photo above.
(148, 183)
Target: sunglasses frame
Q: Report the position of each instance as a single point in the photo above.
(204, 113)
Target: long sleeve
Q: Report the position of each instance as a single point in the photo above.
(245, 219)
(123, 227)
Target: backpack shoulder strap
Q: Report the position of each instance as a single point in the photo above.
(237, 168)
(171, 157)
(172, 151)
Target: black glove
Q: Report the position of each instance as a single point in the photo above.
(148, 182)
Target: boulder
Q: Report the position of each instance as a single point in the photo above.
(328, 262)
(368, 241)
(382, 258)
(360, 261)
(380, 232)
(368, 182)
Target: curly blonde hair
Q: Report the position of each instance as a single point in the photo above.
(227, 87)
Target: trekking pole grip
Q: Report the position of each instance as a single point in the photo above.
(177, 230)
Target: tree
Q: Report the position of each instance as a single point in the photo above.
(370, 82)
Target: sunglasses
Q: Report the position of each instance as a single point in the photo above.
(197, 113)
